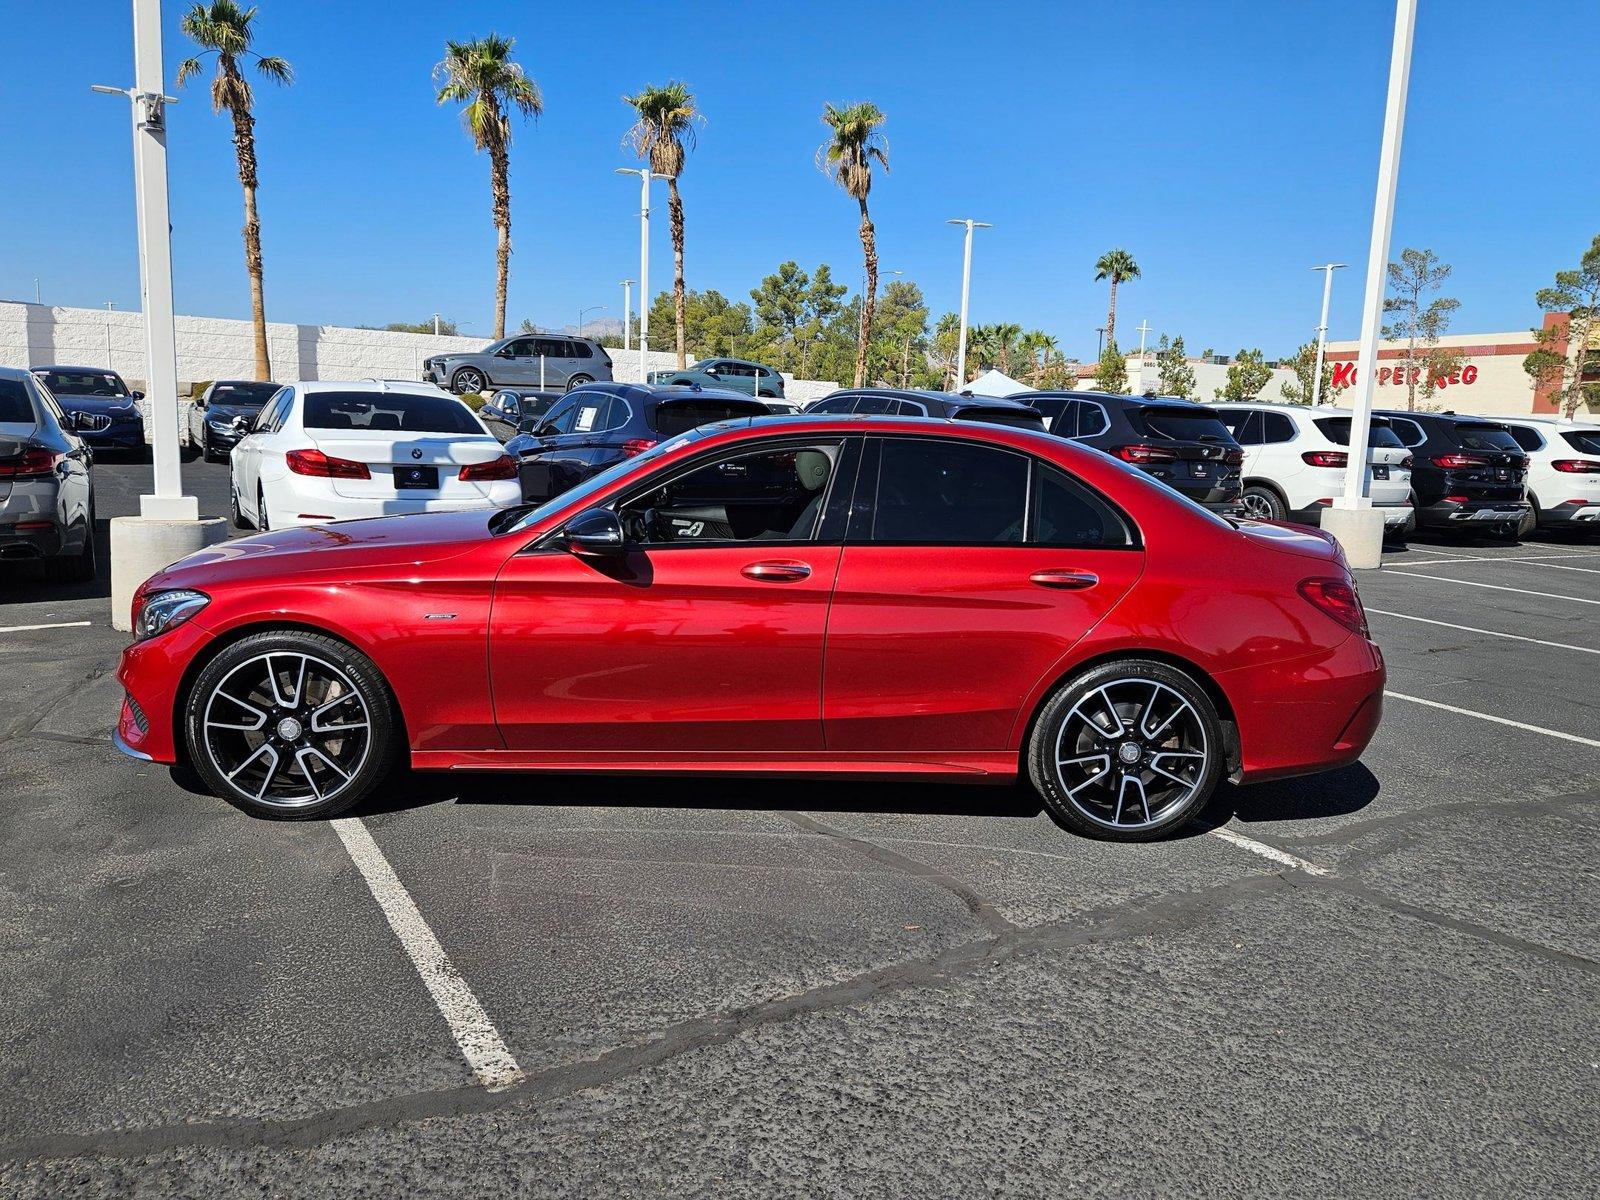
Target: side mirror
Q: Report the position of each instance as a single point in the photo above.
(595, 532)
(199, 404)
(528, 425)
(136, 395)
(503, 352)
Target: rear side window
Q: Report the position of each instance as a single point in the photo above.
(1528, 439)
(1065, 513)
(672, 417)
(1092, 419)
(1583, 441)
(16, 405)
(949, 493)
(1184, 425)
(1486, 437)
(580, 350)
(388, 411)
(1025, 419)
(1409, 432)
(1380, 434)
(834, 404)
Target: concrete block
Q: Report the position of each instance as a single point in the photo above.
(141, 546)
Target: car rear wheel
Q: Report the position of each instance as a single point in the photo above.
(290, 725)
(468, 379)
(235, 513)
(578, 381)
(79, 567)
(262, 523)
(1262, 504)
(1127, 751)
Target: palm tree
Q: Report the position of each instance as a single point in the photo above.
(1035, 347)
(663, 134)
(481, 75)
(223, 28)
(1115, 265)
(847, 158)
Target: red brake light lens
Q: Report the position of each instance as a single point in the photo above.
(636, 446)
(1407, 463)
(35, 462)
(1141, 454)
(321, 466)
(504, 467)
(1326, 458)
(1452, 461)
(1338, 599)
(1234, 457)
(1577, 466)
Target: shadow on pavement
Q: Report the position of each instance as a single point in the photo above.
(1330, 794)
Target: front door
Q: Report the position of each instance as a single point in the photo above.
(956, 596)
(704, 637)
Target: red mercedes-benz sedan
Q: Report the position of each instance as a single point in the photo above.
(868, 597)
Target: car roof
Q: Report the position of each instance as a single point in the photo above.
(68, 367)
(17, 374)
(1562, 423)
(927, 394)
(746, 362)
(664, 391)
(402, 387)
(1076, 394)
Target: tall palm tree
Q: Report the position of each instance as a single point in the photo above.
(223, 28)
(664, 134)
(481, 75)
(1115, 265)
(847, 158)
(1035, 347)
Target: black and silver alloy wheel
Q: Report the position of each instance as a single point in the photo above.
(1127, 751)
(1261, 504)
(290, 725)
(468, 379)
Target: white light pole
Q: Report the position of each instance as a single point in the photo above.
(1327, 270)
(1352, 519)
(168, 526)
(627, 314)
(966, 287)
(590, 309)
(644, 264)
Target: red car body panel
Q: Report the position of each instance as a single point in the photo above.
(884, 660)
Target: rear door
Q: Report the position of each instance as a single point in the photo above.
(969, 572)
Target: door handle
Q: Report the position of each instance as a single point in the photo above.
(784, 571)
(1065, 579)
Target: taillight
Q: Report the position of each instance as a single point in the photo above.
(1452, 461)
(1326, 458)
(1337, 598)
(1406, 463)
(1233, 457)
(35, 462)
(1577, 466)
(320, 465)
(635, 446)
(1141, 454)
(504, 467)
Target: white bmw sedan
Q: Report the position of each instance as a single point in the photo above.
(327, 451)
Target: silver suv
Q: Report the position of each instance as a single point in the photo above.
(537, 360)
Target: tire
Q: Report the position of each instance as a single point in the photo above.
(77, 568)
(1086, 785)
(1530, 523)
(1261, 503)
(578, 381)
(251, 724)
(235, 513)
(264, 525)
(468, 379)
(208, 452)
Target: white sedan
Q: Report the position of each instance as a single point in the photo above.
(327, 451)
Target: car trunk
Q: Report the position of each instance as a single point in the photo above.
(1489, 465)
(1192, 450)
(1388, 482)
(411, 466)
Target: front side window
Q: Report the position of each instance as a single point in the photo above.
(560, 418)
(759, 496)
(949, 493)
(520, 348)
(834, 404)
(589, 414)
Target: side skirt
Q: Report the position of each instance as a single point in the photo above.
(995, 767)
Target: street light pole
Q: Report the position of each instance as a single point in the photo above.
(1327, 270)
(1354, 522)
(966, 287)
(1100, 342)
(627, 314)
(590, 309)
(644, 265)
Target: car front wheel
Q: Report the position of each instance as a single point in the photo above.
(1127, 751)
(468, 379)
(290, 725)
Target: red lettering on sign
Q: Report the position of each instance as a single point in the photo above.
(1469, 374)
(1344, 374)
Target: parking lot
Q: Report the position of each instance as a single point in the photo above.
(1383, 980)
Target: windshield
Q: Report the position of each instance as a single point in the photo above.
(1380, 434)
(1583, 440)
(388, 412)
(1185, 425)
(83, 383)
(1486, 437)
(242, 395)
(515, 520)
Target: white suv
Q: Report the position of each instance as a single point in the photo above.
(1563, 471)
(1294, 462)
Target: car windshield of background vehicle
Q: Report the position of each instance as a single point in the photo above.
(83, 383)
(243, 395)
(1182, 425)
(1380, 435)
(515, 520)
(1583, 441)
(16, 407)
(673, 417)
(388, 411)
(1486, 437)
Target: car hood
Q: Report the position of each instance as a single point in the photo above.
(97, 404)
(1303, 540)
(342, 546)
(231, 412)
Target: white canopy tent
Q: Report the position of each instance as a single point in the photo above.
(994, 384)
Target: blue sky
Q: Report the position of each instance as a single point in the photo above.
(1227, 147)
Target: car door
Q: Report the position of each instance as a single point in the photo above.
(968, 574)
(558, 363)
(246, 456)
(704, 637)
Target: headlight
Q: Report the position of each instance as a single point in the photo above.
(165, 610)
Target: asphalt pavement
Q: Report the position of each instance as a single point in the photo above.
(1385, 980)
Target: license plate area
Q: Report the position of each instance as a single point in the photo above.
(1380, 471)
(416, 479)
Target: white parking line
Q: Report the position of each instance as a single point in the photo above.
(479, 1041)
(1515, 637)
(53, 625)
(1272, 852)
(1467, 712)
(1495, 587)
(1538, 560)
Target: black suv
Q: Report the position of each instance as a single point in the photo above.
(510, 410)
(906, 402)
(600, 424)
(1185, 445)
(1468, 473)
